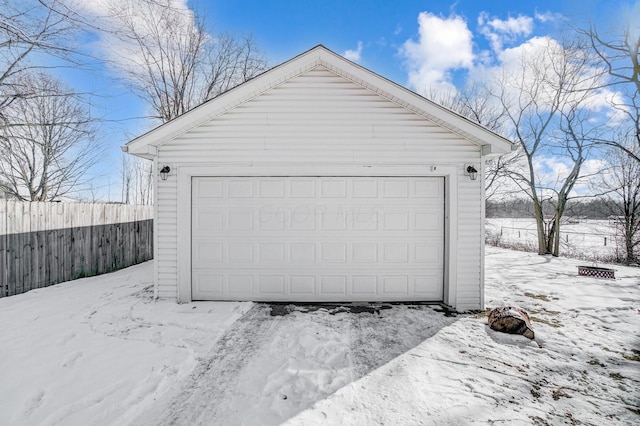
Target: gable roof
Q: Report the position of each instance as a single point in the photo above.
(147, 144)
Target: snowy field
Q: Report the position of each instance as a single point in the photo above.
(99, 351)
(586, 239)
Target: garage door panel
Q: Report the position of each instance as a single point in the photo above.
(209, 220)
(428, 189)
(207, 252)
(395, 285)
(316, 286)
(363, 220)
(240, 253)
(271, 219)
(395, 188)
(271, 284)
(271, 252)
(333, 285)
(427, 254)
(248, 254)
(395, 253)
(302, 188)
(240, 220)
(209, 188)
(240, 285)
(323, 219)
(302, 252)
(364, 252)
(302, 285)
(208, 285)
(240, 188)
(428, 220)
(333, 253)
(333, 188)
(364, 188)
(317, 238)
(333, 220)
(395, 220)
(302, 219)
(271, 188)
(423, 286)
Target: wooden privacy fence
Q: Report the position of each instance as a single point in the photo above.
(47, 243)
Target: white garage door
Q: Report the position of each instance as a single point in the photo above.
(318, 238)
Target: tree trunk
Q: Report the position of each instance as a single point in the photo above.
(551, 232)
(629, 239)
(556, 236)
(542, 240)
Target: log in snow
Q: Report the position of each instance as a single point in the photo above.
(512, 320)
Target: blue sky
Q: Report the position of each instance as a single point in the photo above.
(286, 28)
(392, 38)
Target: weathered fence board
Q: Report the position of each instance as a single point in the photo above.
(47, 243)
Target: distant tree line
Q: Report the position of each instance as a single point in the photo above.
(622, 212)
(593, 209)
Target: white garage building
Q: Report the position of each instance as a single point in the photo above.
(320, 181)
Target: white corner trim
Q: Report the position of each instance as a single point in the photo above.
(451, 237)
(482, 232)
(156, 236)
(184, 235)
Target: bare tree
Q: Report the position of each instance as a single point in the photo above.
(172, 62)
(622, 184)
(619, 53)
(27, 28)
(47, 154)
(546, 100)
(137, 180)
(476, 104)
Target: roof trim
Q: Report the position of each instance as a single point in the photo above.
(490, 142)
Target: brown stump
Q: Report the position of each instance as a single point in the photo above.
(512, 320)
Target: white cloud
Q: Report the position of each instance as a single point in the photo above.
(551, 173)
(508, 66)
(354, 55)
(123, 52)
(500, 32)
(444, 44)
(522, 25)
(548, 17)
(517, 62)
(533, 64)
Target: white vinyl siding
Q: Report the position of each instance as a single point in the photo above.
(307, 120)
(166, 251)
(323, 120)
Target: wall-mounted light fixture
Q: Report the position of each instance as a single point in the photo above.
(164, 173)
(472, 172)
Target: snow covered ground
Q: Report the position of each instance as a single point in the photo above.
(100, 351)
(585, 239)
